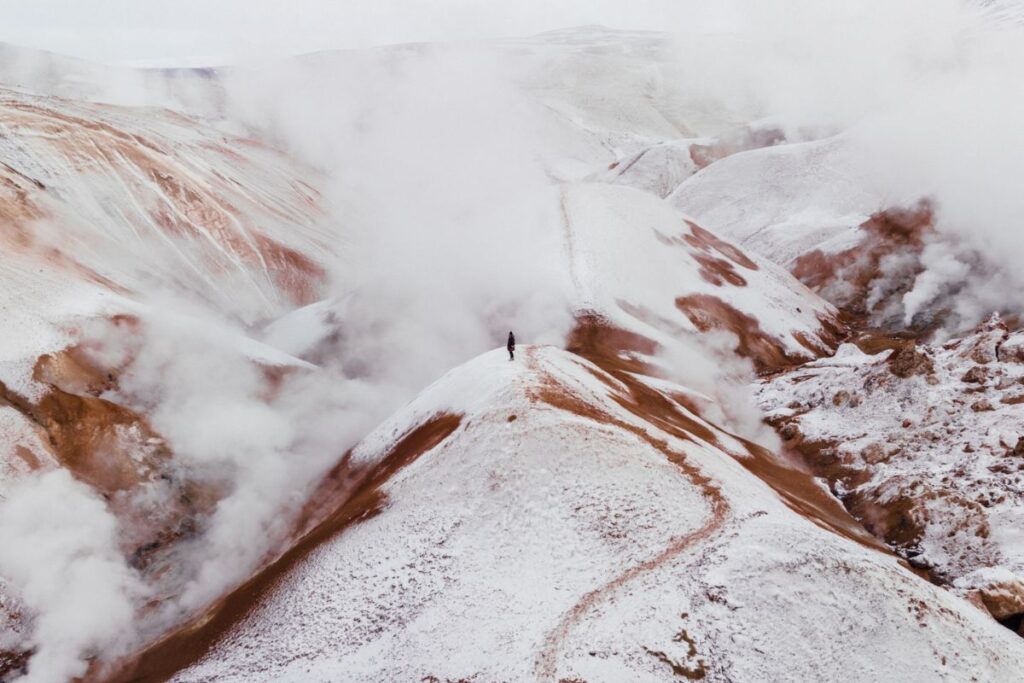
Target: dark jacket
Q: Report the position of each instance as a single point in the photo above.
(511, 341)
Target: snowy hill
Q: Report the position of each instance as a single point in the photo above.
(691, 280)
(644, 548)
(785, 200)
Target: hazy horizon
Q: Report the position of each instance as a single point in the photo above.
(194, 33)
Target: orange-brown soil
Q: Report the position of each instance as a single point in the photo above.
(604, 345)
(887, 233)
(708, 313)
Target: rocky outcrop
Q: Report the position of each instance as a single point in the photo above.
(1003, 599)
(907, 361)
(1012, 348)
(977, 374)
(931, 460)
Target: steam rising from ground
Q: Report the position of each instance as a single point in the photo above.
(264, 441)
(450, 238)
(450, 229)
(58, 544)
(925, 90)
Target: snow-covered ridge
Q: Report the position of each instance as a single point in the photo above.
(690, 280)
(567, 537)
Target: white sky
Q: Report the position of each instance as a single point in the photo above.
(194, 32)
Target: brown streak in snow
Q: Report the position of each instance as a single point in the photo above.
(359, 496)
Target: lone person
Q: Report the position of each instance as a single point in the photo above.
(511, 346)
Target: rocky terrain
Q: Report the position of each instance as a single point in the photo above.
(922, 443)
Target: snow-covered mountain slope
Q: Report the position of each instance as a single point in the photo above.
(634, 261)
(785, 200)
(690, 280)
(592, 513)
(663, 166)
(113, 220)
(540, 522)
(812, 209)
(924, 445)
(127, 197)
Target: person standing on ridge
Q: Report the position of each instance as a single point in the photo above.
(511, 346)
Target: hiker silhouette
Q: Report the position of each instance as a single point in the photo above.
(511, 346)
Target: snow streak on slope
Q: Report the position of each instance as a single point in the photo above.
(639, 554)
(141, 197)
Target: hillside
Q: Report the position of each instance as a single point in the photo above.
(253, 426)
(647, 548)
(923, 444)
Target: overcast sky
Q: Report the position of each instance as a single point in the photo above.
(192, 32)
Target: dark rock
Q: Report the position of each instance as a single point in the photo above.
(976, 375)
(908, 361)
(789, 431)
(981, 406)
